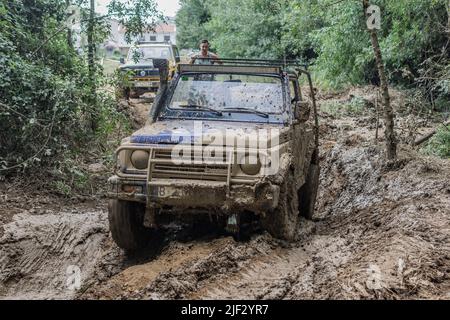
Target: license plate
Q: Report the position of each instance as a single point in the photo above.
(143, 84)
(166, 192)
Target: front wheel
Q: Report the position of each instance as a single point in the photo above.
(282, 222)
(126, 223)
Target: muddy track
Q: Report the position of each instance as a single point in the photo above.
(136, 110)
(36, 251)
(380, 231)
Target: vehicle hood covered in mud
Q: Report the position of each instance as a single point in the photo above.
(208, 132)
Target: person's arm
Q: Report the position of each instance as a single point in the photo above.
(216, 58)
(193, 58)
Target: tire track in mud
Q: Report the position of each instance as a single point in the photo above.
(263, 268)
(37, 250)
(135, 278)
(264, 277)
(180, 269)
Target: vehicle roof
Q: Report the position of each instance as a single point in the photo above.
(199, 68)
(251, 66)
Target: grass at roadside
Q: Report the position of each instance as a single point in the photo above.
(110, 66)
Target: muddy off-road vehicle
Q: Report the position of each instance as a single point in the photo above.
(230, 140)
(140, 75)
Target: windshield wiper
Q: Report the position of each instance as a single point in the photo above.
(259, 113)
(201, 108)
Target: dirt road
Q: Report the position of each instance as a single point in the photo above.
(380, 231)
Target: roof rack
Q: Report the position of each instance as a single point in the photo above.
(227, 68)
(286, 65)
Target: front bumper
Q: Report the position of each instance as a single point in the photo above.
(188, 194)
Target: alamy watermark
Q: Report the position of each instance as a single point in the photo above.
(73, 278)
(376, 279)
(73, 16)
(259, 147)
(374, 17)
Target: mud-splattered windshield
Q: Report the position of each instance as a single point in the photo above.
(224, 92)
(144, 54)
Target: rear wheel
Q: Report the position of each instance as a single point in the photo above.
(282, 222)
(308, 192)
(126, 223)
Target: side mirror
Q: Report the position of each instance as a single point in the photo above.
(122, 60)
(302, 110)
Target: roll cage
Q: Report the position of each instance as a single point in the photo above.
(293, 69)
(290, 69)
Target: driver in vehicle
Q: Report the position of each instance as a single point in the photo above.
(205, 56)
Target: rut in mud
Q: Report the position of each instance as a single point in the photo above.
(37, 250)
(380, 231)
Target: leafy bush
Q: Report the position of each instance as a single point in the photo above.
(46, 98)
(354, 107)
(43, 89)
(332, 36)
(439, 144)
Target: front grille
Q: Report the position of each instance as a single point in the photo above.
(147, 73)
(210, 169)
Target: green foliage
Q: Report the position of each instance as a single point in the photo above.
(331, 34)
(191, 23)
(46, 96)
(136, 15)
(251, 28)
(42, 91)
(62, 188)
(354, 107)
(439, 144)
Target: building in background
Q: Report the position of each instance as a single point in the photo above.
(163, 32)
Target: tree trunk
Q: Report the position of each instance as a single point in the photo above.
(91, 65)
(69, 30)
(91, 44)
(391, 144)
(448, 17)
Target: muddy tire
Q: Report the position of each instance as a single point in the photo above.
(282, 222)
(308, 192)
(126, 223)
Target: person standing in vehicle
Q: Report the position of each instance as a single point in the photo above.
(205, 56)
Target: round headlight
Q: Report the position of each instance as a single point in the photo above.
(250, 169)
(139, 159)
(143, 73)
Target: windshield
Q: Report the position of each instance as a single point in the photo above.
(143, 54)
(224, 92)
